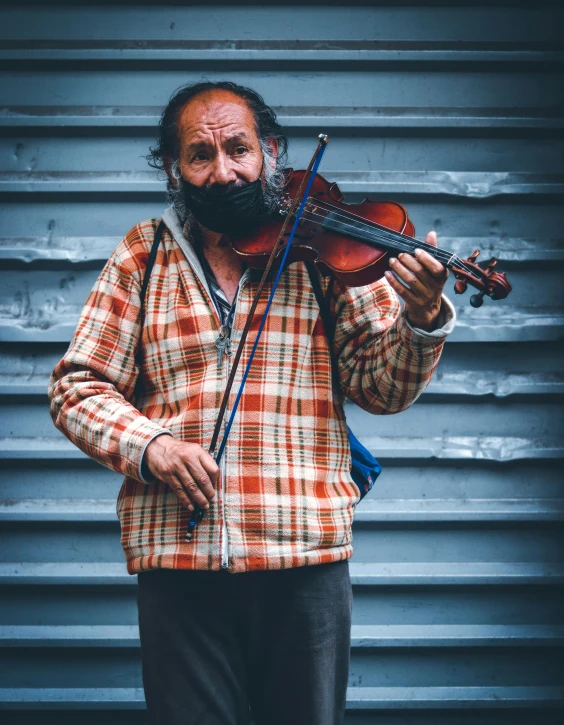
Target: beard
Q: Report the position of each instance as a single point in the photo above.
(263, 205)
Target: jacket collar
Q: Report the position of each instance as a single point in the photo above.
(172, 221)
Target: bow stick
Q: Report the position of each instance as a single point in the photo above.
(198, 513)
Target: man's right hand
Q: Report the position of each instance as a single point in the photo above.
(187, 468)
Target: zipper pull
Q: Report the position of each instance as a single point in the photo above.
(223, 343)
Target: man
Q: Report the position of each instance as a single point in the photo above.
(255, 611)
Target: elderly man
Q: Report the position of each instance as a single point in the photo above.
(253, 614)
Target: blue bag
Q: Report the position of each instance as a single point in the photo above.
(365, 468)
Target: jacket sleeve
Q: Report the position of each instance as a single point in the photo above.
(384, 363)
(90, 388)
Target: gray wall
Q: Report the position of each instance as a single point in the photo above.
(453, 109)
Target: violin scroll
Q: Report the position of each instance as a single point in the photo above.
(493, 284)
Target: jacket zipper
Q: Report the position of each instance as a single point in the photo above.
(223, 464)
(224, 541)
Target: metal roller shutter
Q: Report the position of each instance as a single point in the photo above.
(456, 110)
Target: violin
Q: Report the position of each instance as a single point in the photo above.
(353, 242)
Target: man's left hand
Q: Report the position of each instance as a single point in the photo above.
(426, 277)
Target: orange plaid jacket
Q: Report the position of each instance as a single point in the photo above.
(286, 498)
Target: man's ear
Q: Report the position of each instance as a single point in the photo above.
(168, 164)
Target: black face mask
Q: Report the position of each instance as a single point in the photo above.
(229, 209)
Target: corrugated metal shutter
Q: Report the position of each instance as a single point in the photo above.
(456, 111)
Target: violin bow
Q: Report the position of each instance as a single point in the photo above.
(301, 199)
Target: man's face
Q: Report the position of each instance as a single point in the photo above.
(218, 140)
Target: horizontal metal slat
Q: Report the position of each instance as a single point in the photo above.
(372, 511)
(69, 636)
(87, 510)
(474, 383)
(358, 698)
(115, 85)
(464, 448)
(412, 449)
(467, 509)
(273, 22)
(75, 698)
(508, 449)
(295, 117)
(456, 635)
(460, 573)
(466, 184)
(362, 636)
(362, 574)
(444, 698)
(284, 51)
(64, 574)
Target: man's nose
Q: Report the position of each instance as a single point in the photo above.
(222, 172)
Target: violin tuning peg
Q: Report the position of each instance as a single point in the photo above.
(474, 256)
(460, 287)
(477, 300)
(490, 266)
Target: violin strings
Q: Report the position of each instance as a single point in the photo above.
(398, 243)
(406, 239)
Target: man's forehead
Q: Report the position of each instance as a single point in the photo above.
(214, 111)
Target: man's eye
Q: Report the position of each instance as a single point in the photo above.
(240, 150)
(199, 157)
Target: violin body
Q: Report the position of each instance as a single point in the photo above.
(353, 242)
(350, 261)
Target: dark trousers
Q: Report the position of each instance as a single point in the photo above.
(215, 645)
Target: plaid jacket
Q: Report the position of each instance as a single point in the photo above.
(286, 498)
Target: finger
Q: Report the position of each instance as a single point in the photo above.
(429, 260)
(177, 487)
(190, 485)
(429, 279)
(206, 490)
(431, 264)
(420, 272)
(406, 294)
(210, 466)
(406, 275)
